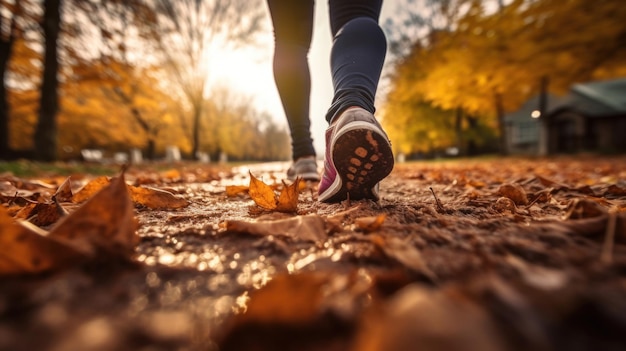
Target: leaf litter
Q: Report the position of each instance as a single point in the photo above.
(454, 257)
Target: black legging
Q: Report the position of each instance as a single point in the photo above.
(356, 60)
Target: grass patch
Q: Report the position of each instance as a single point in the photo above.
(24, 168)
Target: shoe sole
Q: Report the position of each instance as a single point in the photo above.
(362, 157)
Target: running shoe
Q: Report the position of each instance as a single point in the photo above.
(358, 156)
(305, 168)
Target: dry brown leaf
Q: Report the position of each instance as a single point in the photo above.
(514, 192)
(404, 253)
(308, 303)
(90, 189)
(307, 228)
(265, 197)
(235, 190)
(25, 249)
(103, 224)
(370, 224)
(288, 198)
(505, 204)
(585, 208)
(615, 190)
(172, 175)
(418, 318)
(551, 183)
(156, 198)
(262, 194)
(41, 214)
(538, 276)
(287, 299)
(64, 192)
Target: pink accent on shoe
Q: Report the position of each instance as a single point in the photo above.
(358, 156)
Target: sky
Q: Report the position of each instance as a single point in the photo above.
(249, 72)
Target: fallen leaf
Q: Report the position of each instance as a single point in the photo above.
(105, 224)
(538, 276)
(41, 214)
(370, 224)
(262, 194)
(404, 253)
(615, 190)
(504, 204)
(288, 198)
(25, 249)
(419, 318)
(171, 175)
(514, 192)
(551, 183)
(235, 190)
(584, 208)
(64, 192)
(156, 198)
(294, 310)
(90, 189)
(307, 228)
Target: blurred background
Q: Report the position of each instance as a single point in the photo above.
(192, 79)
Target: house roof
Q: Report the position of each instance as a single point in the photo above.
(524, 113)
(592, 99)
(596, 99)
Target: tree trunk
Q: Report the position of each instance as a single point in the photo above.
(471, 147)
(151, 148)
(6, 47)
(195, 143)
(504, 150)
(46, 131)
(458, 130)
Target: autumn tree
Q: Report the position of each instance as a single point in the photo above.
(45, 132)
(19, 69)
(186, 33)
(118, 64)
(7, 39)
(240, 131)
(490, 57)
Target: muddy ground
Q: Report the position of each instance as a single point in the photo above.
(500, 254)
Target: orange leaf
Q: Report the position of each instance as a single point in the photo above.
(41, 214)
(288, 199)
(370, 224)
(25, 249)
(90, 189)
(156, 198)
(234, 190)
(104, 224)
(308, 228)
(262, 194)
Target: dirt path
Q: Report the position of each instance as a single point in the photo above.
(507, 254)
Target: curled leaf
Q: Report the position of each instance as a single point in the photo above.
(262, 194)
(235, 190)
(514, 192)
(307, 228)
(156, 198)
(104, 224)
(404, 253)
(64, 192)
(288, 199)
(90, 189)
(370, 224)
(25, 249)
